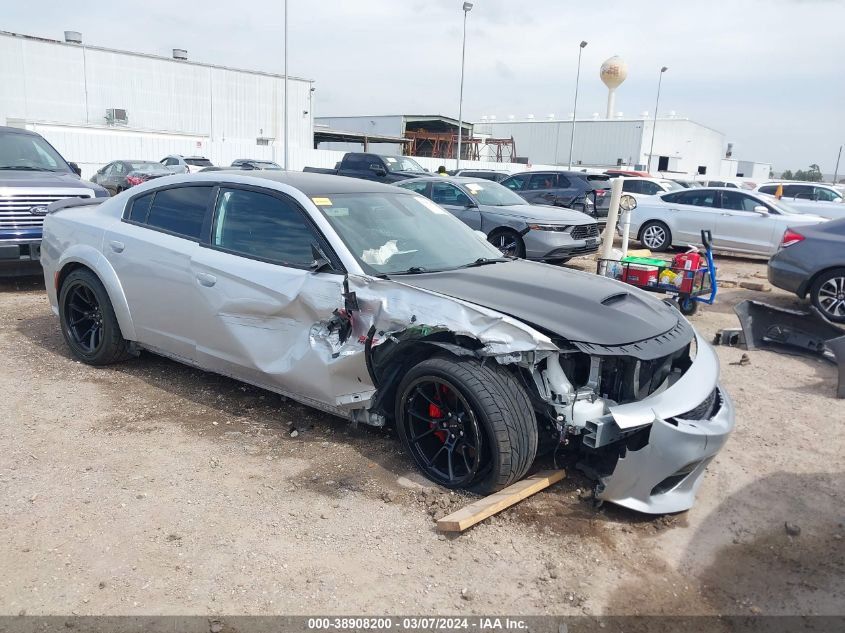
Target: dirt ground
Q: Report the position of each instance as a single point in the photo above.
(152, 488)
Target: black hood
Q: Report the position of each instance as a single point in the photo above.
(580, 307)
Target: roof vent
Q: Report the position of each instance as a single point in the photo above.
(180, 53)
(73, 37)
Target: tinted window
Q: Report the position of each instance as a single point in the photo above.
(736, 201)
(650, 188)
(416, 187)
(445, 193)
(695, 198)
(770, 189)
(826, 195)
(514, 182)
(180, 210)
(542, 181)
(263, 226)
(199, 162)
(632, 186)
(355, 161)
(140, 207)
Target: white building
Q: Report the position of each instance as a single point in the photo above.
(680, 145)
(96, 105)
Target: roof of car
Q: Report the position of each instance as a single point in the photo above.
(454, 179)
(18, 130)
(314, 184)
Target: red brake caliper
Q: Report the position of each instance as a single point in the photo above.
(436, 413)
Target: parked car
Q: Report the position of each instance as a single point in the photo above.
(794, 191)
(249, 163)
(811, 261)
(486, 174)
(32, 175)
(376, 167)
(649, 186)
(120, 175)
(626, 173)
(516, 228)
(178, 164)
(573, 189)
(372, 303)
(739, 221)
(686, 184)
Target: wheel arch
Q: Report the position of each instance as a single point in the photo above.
(804, 288)
(82, 256)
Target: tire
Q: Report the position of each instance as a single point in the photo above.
(444, 399)
(656, 236)
(828, 294)
(508, 242)
(687, 305)
(88, 322)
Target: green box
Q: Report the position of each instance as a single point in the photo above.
(645, 261)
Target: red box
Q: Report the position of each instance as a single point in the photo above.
(692, 281)
(640, 275)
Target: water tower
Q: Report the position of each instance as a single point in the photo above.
(613, 72)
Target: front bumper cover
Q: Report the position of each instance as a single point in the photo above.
(664, 475)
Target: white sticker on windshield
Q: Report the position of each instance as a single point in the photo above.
(431, 206)
(336, 212)
(389, 159)
(475, 187)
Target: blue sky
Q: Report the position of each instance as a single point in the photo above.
(766, 73)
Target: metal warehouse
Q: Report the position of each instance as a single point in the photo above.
(680, 145)
(96, 104)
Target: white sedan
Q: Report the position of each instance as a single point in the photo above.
(739, 221)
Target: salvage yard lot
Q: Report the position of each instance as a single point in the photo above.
(149, 487)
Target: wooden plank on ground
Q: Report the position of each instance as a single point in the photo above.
(488, 506)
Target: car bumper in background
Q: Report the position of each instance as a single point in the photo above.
(20, 259)
(549, 245)
(786, 275)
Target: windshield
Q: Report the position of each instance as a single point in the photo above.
(779, 205)
(26, 152)
(493, 194)
(402, 163)
(392, 233)
(265, 164)
(137, 165)
(671, 185)
(198, 162)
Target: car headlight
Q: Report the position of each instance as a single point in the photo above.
(549, 227)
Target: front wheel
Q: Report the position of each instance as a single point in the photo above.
(509, 243)
(466, 425)
(687, 305)
(656, 236)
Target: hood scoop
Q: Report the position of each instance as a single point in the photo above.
(610, 299)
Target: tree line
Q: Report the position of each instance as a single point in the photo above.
(813, 174)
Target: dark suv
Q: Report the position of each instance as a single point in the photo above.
(588, 193)
(32, 175)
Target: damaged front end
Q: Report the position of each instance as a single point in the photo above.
(642, 420)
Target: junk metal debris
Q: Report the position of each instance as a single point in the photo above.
(766, 326)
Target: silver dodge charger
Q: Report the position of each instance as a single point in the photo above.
(372, 303)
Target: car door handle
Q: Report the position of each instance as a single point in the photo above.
(206, 280)
(116, 246)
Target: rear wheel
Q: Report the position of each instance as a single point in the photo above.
(88, 322)
(656, 236)
(466, 425)
(508, 242)
(828, 294)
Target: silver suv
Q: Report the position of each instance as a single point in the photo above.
(179, 164)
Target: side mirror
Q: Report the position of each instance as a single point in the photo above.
(320, 261)
(627, 202)
(471, 204)
(761, 210)
(378, 170)
(76, 169)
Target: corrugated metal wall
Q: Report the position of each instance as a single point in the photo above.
(64, 91)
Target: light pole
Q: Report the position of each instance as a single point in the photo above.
(581, 48)
(285, 128)
(836, 171)
(467, 8)
(654, 125)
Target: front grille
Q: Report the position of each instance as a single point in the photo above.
(14, 208)
(583, 231)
